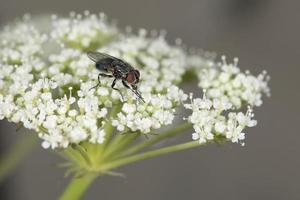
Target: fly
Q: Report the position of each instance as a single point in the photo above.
(118, 70)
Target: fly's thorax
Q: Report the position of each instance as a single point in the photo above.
(111, 69)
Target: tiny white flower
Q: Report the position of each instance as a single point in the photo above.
(50, 122)
(128, 108)
(78, 134)
(220, 127)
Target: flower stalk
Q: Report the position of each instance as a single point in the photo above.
(78, 186)
(149, 154)
(157, 138)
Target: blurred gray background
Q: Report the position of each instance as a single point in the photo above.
(264, 35)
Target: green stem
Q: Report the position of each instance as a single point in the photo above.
(119, 143)
(169, 133)
(74, 156)
(83, 153)
(149, 154)
(77, 187)
(18, 152)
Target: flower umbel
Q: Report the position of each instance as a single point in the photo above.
(222, 79)
(210, 120)
(46, 80)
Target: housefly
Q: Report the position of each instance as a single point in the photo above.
(118, 70)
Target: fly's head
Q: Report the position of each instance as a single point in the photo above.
(133, 77)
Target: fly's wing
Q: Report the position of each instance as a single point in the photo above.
(102, 60)
(96, 56)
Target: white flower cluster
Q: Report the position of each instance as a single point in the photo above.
(222, 79)
(199, 60)
(21, 48)
(46, 87)
(158, 110)
(227, 91)
(56, 120)
(70, 67)
(51, 94)
(21, 43)
(84, 32)
(210, 118)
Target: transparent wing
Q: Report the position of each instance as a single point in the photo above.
(96, 56)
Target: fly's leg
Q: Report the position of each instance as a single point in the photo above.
(125, 84)
(113, 87)
(134, 91)
(103, 75)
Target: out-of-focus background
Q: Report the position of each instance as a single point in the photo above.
(264, 34)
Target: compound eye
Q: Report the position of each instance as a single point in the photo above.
(131, 78)
(137, 75)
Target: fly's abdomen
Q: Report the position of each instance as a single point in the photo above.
(104, 64)
(100, 66)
